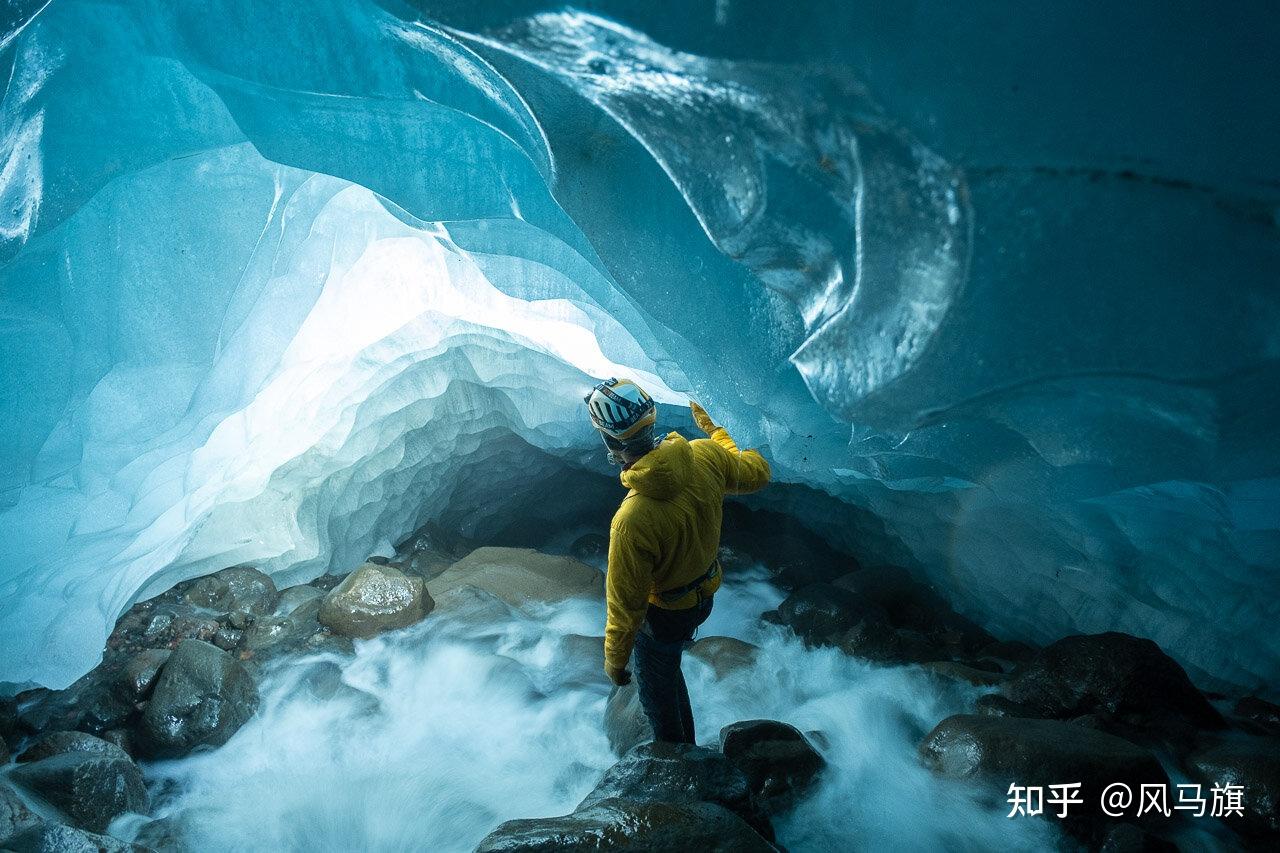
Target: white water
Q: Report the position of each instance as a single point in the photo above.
(483, 720)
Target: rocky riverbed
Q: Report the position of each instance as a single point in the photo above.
(454, 699)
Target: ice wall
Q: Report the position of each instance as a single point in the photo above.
(278, 277)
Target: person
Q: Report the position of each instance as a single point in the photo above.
(663, 570)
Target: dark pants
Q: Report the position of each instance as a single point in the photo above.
(663, 694)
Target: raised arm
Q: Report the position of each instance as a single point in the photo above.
(744, 470)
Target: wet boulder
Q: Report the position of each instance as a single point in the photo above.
(968, 674)
(60, 838)
(240, 588)
(778, 761)
(680, 773)
(56, 743)
(520, 576)
(1012, 750)
(138, 675)
(15, 816)
(822, 614)
(625, 724)
(1120, 678)
(203, 696)
(293, 597)
(375, 599)
(628, 825)
(1258, 715)
(725, 655)
(880, 642)
(1253, 763)
(90, 788)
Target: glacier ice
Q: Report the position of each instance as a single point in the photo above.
(281, 282)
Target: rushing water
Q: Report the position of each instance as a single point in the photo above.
(440, 732)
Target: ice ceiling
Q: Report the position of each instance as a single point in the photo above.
(275, 276)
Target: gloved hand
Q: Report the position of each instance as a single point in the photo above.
(619, 676)
(702, 419)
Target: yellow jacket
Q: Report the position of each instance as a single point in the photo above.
(667, 531)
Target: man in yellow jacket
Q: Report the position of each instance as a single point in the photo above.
(663, 542)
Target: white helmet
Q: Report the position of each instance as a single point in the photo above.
(624, 414)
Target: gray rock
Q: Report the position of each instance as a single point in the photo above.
(164, 835)
(139, 674)
(821, 614)
(56, 743)
(238, 588)
(90, 788)
(680, 773)
(15, 817)
(1119, 677)
(725, 655)
(59, 838)
(625, 724)
(1258, 715)
(202, 698)
(228, 639)
(374, 599)
(627, 825)
(290, 632)
(1254, 764)
(292, 597)
(778, 761)
(959, 672)
(1008, 750)
(120, 738)
(521, 577)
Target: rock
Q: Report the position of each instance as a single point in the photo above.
(138, 675)
(90, 788)
(590, 546)
(8, 717)
(680, 773)
(228, 639)
(93, 703)
(163, 835)
(375, 599)
(625, 825)
(1254, 764)
(520, 576)
(293, 597)
(822, 614)
(1011, 651)
(120, 738)
(4, 751)
(882, 643)
(777, 760)
(203, 696)
(725, 655)
(290, 632)
(15, 816)
(238, 588)
(995, 705)
(625, 724)
(1258, 715)
(1013, 750)
(960, 672)
(891, 587)
(581, 660)
(59, 838)
(56, 743)
(1119, 677)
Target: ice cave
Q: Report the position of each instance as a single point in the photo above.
(300, 305)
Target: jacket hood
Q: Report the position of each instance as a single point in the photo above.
(662, 472)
